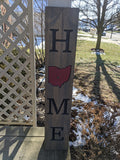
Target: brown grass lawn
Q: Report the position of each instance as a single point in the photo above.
(98, 76)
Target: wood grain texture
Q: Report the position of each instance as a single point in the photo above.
(54, 155)
(65, 22)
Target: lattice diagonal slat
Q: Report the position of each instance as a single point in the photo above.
(17, 70)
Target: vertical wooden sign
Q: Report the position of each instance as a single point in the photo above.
(61, 35)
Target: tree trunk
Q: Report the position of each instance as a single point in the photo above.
(98, 40)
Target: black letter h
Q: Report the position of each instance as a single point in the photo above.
(54, 40)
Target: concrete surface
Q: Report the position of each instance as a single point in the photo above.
(26, 143)
(115, 38)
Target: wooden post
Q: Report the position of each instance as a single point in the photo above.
(32, 63)
(61, 34)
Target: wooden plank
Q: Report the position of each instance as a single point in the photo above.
(61, 35)
(54, 155)
(60, 3)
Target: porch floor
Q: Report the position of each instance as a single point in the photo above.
(26, 143)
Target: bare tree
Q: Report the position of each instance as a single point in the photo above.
(39, 18)
(39, 29)
(99, 14)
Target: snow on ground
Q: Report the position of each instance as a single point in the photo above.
(98, 53)
(107, 115)
(79, 139)
(26, 117)
(80, 96)
(117, 122)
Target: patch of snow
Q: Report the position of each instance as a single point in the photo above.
(39, 99)
(42, 69)
(41, 89)
(77, 109)
(118, 66)
(41, 80)
(26, 117)
(116, 134)
(117, 121)
(95, 102)
(113, 150)
(83, 98)
(91, 120)
(118, 110)
(74, 92)
(15, 118)
(107, 115)
(77, 117)
(111, 110)
(41, 74)
(80, 96)
(98, 53)
(70, 143)
(79, 141)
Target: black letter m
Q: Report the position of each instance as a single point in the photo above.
(57, 110)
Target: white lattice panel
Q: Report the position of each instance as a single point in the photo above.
(17, 75)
